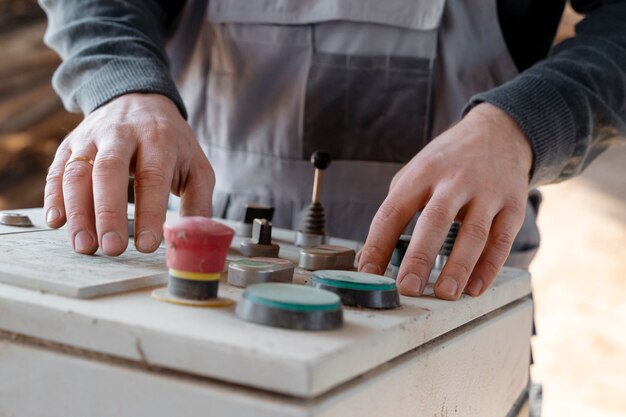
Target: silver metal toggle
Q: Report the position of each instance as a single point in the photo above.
(253, 211)
(15, 219)
(261, 242)
(326, 257)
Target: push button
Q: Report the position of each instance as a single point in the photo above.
(246, 272)
(359, 289)
(326, 257)
(196, 254)
(291, 307)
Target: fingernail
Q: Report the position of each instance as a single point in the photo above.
(83, 241)
(410, 284)
(52, 215)
(475, 287)
(146, 240)
(111, 242)
(448, 287)
(371, 269)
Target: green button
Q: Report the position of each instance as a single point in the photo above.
(292, 297)
(354, 280)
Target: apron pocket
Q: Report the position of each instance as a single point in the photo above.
(369, 108)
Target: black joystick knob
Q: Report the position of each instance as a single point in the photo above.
(312, 230)
(320, 159)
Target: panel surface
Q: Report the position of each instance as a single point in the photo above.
(214, 343)
(45, 261)
(478, 370)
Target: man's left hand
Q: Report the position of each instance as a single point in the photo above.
(477, 173)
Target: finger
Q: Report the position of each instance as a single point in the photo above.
(78, 200)
(54, 208)
(390, 220)
(428, 236)
(196, 190)
(505, 227)
(110, 194)
(153, 177)
(468, 246)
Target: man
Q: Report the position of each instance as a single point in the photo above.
(375, 83)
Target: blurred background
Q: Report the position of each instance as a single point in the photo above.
(32, 119)
(579, 276)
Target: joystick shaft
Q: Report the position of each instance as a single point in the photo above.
(313, 228)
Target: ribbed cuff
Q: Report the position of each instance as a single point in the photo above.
(544, 116)
(125, 76)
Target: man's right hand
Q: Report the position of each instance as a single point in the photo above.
(140, 133)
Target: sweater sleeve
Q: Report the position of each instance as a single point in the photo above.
(110, 48)
(572, 105)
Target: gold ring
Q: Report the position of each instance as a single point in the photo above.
(79, 158)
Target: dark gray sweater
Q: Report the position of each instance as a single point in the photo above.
(571, 105)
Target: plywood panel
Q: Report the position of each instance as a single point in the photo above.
(45, 261)
(478, 370)
(214, 343)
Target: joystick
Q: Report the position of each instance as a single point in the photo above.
(313, 228)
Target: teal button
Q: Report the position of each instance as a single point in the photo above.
(292, 297)
(354, 280)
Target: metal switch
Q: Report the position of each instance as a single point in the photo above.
(246, 272)
(15, 219)
(326, 257)
(261, 242)
(253, 211)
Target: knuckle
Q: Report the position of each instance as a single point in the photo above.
(490, 268)
(459, 268)
(150, 176)
(106, 213)
(436, 213)
(159, 124)
(431, 162)
(417, 260)
(388, 213)
(76, 174)
(515, 204)
(373, 253)
(478, 231)
(117, 131)
(107, 163)
(55, 173)
(76, 217)
(52, 196)
(502, 241)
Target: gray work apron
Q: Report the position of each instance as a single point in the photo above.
(269, 82)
